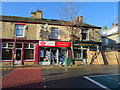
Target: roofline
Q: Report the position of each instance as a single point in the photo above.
(44, 22)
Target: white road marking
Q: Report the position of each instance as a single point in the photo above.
(102, 86)
(44, 86)
(103, 75)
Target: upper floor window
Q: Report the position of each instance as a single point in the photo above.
(106, 41)
(54, 33)
(84, 34)
(19, 30)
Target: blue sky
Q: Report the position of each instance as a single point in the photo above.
(94, 13)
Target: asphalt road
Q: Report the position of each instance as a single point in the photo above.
(73, 77)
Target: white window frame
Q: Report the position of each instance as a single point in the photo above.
(29, 46)
(106, 42)
(87, 34)
(23, 31)
(6, 46)
(56, 32)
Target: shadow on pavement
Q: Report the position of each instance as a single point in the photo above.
(31, 85)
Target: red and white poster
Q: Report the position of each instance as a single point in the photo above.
(47, 43)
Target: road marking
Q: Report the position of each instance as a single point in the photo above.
(102, 86)
(44, 86)
(103, 75)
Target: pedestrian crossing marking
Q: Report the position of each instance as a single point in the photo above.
(105, 81)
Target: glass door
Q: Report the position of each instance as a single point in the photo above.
(18, 55)
(54, 56)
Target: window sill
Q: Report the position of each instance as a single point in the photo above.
(20, 37)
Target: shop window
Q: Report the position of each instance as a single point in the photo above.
(77, 54)
(7, 45)
(20, 30)
(10, 45)
(26, 45)
(6, 54)
(18, 45)
(29, 54)
(29, 45)
(4, 45)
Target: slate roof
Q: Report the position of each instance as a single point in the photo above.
(35, 20)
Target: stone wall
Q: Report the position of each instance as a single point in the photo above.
(34, 31)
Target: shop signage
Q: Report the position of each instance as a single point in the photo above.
(83, 44)
(54, 44)
(79, 48)
(47, 43)
(62, 44)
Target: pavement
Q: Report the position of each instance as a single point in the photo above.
(26, 77)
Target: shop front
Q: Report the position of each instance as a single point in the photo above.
(53, 52)
(25, 51)
(80, 50)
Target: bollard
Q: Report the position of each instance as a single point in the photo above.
(67, 61)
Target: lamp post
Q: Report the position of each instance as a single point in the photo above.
(14, 57)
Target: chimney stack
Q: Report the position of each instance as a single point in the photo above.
(37, 14)
(33, 14)
(80, 19)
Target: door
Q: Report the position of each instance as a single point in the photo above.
(18, 57)
(84, 54)
(54, 56)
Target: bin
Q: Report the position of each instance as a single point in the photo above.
(67, 61)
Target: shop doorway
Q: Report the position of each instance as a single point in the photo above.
(54, 56)
(84, 54)
(48, 56)
(18, 57)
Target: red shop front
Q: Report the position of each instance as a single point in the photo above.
(49, 52)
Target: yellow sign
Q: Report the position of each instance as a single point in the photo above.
(14, 55)
(83, 44)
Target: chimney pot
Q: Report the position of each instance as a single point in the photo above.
(80, 19)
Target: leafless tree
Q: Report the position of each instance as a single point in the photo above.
(68, 13)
